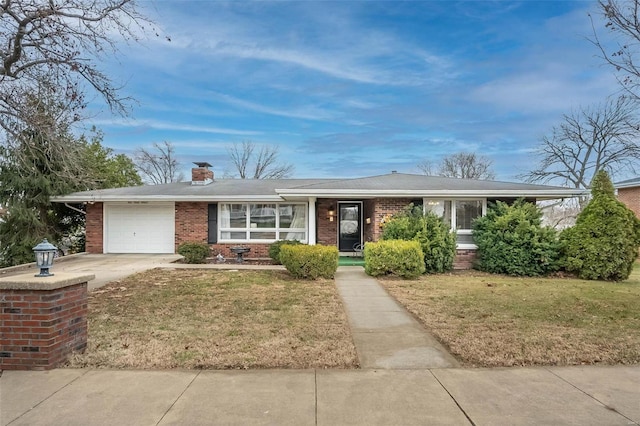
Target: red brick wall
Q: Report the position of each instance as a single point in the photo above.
(257, 250)
(631, 198)
(94, 228)
(464, 259)
(40, 328)
(191, 222)
(384, 208)
(327, 233)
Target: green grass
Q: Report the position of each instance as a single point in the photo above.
(494, 320)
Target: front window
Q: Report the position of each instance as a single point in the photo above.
(466, 212)
(243, 222)
(459, 215)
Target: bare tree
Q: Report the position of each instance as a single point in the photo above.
(56, 43)
(159, 165)
(253, 163)
(603, 137)
(623, 21)
(463, 165)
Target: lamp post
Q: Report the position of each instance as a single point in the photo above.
(45, 252)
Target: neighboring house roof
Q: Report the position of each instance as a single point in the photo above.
(629, 183)
(389, 185)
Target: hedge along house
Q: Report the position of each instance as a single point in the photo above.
(254, 213)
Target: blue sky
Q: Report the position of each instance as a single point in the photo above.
(350, 88)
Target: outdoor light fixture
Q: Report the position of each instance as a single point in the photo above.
(368, 220)
(332, 213)
(45, 252)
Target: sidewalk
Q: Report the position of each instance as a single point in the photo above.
(515, 396)
(402, 382)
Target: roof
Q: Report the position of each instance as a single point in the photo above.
(629, 183)
(389, 185)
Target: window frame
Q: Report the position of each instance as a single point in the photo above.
(453, 218)
(277, 230)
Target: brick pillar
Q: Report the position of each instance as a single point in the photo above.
(94, 227)
(42, 320)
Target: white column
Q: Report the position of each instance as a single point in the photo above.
(312, 221)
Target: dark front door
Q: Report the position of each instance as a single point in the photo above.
(349, 226)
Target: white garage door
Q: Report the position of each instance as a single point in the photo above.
(139, 228)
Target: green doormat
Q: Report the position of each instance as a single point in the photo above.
(350, 261)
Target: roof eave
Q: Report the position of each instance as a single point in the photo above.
(627, 185)
(162, 198)
(538, 194)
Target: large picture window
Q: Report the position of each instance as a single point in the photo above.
(459, 214)
(244, 222)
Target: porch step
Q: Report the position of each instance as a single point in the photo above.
(350, 261)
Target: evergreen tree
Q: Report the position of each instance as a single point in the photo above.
(31, 174)
(511, 240)
(603, 244)
(437, 241)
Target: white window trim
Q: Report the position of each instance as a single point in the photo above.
(453, 217)
(277, 230)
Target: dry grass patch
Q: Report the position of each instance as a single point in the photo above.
(492, 320)
(217, 320)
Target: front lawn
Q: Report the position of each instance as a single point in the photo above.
(218, 320)
(493, 320)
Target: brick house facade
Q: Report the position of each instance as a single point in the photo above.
(631, 198)
(253, 213)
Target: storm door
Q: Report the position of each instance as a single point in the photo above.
(349, 225)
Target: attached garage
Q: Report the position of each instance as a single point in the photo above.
(139, 228)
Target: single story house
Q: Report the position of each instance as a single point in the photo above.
(254, 213)
(629, 194)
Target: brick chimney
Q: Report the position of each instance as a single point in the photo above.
(201, 175)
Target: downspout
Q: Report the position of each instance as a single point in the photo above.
(76, 209)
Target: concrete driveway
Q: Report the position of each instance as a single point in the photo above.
(106, 267)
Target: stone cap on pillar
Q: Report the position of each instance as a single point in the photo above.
(53, 282)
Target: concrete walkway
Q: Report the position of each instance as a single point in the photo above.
(515, 396)
(385, 334)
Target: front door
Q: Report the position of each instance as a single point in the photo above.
(349, 225)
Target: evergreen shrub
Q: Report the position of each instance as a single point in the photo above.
(194, 252)
(274, 249)
(395, 257)
(603, 244)
(310, 262)
(437, 241)
(511, 240)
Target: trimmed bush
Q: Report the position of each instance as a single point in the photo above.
(194, 252)
(396, 257)
(511, 240)
(274, 249)
(436, 240)
(303, 261)
(603, 244)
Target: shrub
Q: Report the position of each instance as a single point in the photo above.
(603, 244)
(274, 249)
(303, 261)
(436, 240)
(511, 240)
(194, 252)
(397, 257)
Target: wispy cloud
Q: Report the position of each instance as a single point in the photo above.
(304, 112)
(164, 125)
(360, 87)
